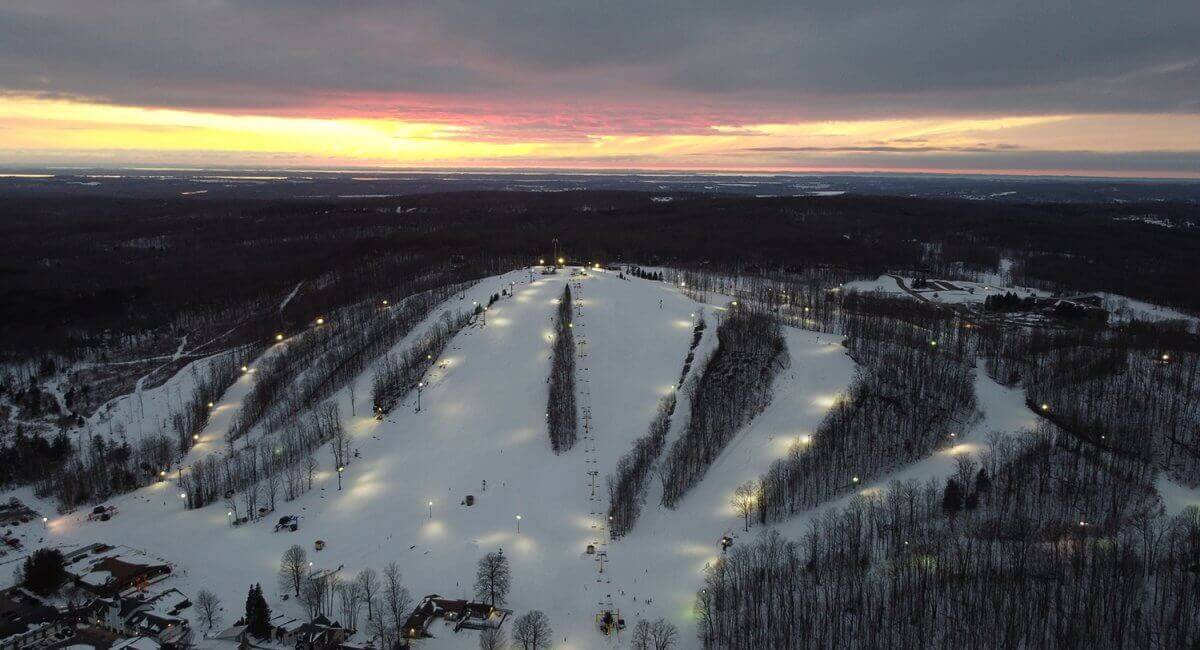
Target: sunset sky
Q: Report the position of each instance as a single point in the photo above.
(1091, 88)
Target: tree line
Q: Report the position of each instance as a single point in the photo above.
(628, 483)
(1133, 389)
(1059, 545)
(250, 479)
(913, 391)
(326, 358)
(96, 469)
(220, 372)
(397, 375)
(732, 386)
(562, 421)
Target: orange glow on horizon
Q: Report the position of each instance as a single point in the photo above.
(34, 129)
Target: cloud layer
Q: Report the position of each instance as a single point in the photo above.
(538, 71)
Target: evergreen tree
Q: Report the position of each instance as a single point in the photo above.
(258, 614)
(952, 498)
(43, 572)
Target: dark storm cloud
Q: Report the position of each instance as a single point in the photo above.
(740, 59)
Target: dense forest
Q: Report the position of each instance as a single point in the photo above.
(1045, 543)
(136, 272)
(1054, 537)
(1133, 390)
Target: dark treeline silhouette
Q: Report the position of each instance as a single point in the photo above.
(562, 421)
(398, 375)
(913, 388)
(144, 269)
(1009, 302)
(697, 334)
(1134, 390)
(26, 457)
(99, 469)
(1058, 545)
(732, 386)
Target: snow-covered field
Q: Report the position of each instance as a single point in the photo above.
(1121, 308)
(482, 419)
(961, 292)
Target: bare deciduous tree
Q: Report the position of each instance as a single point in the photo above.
(664, 634)
(532, 630)
(293, 567)
(209, 607)
(743, 499)
(492, 638)
(492, 579)
(350, 599)
(367, 582)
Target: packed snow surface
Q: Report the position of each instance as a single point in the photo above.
(482, 418)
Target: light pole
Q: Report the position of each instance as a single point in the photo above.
(518, 524)
(431, 510)
(341, 468)
(420, 385)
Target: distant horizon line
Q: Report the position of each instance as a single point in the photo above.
(12, 170)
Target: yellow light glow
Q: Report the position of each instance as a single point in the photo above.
(35, 126)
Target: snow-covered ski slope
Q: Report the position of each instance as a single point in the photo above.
(482, 419)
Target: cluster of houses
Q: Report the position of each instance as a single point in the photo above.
(150, 621)
(126, 609)
(120, 605)
(110, 570)
(458, 613)
(27, 621)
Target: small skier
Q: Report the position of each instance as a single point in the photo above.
(660, 304)
(483, 487)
